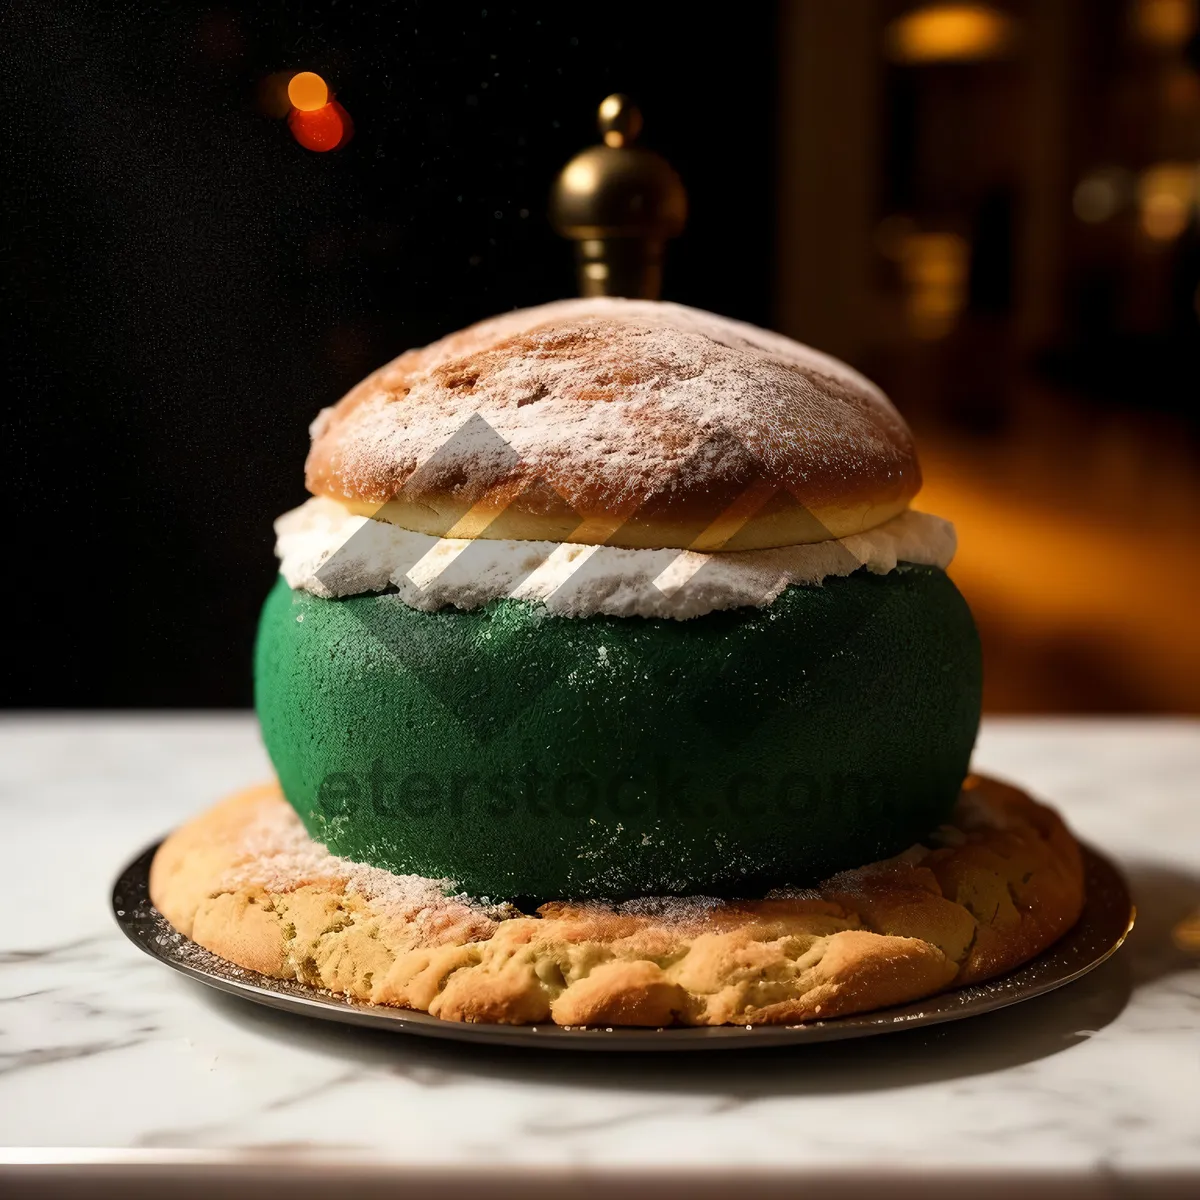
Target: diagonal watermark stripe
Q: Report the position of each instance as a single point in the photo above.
(491, 700)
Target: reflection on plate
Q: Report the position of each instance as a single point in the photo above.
(1106, 921)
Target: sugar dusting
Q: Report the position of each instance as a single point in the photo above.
(654, 314)
(279, 856)
(326, 550)
(608, 401)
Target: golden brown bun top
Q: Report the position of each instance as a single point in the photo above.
(631, 422)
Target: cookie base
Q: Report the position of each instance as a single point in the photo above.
(991, 890)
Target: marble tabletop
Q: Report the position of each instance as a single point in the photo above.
(114, 1068)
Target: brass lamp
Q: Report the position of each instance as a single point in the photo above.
(619, 203)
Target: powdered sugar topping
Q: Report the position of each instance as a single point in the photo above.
(279, 856)
(606, 402)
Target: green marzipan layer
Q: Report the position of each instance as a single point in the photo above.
(526, 755)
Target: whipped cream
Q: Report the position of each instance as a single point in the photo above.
(326, 550)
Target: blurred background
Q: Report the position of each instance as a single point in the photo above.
(993, 210)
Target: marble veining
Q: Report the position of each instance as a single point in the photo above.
(101, 1047)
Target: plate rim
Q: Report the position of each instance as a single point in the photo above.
(303, 1000)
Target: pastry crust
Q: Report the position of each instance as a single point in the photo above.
(620, 422)
(991, 890)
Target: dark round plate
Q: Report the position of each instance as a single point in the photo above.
(1106, 921)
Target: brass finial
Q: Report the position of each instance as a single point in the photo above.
(620, 120)
(619, 203)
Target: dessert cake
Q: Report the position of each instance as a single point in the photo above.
(605, 652)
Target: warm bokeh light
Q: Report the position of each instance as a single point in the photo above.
(1102, 194)
(328, 128)
(1166, 24)
(1186, 934)
(951, 33)
(1070, 559)
(1166, 195)
(934, 266)
(307, 91)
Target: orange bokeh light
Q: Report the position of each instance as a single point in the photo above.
(307, 91)
(326, 128)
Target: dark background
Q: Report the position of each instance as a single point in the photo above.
(997, 218)
(184, 286)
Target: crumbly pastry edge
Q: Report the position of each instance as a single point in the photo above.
(991, 890)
